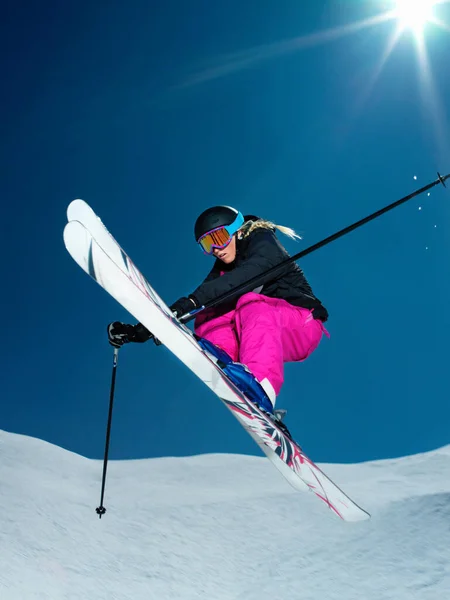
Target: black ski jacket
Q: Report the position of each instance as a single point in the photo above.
(256, 253)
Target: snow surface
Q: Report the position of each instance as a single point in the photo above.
(217, 527)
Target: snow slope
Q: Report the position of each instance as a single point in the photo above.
(217, 527)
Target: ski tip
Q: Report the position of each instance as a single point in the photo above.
(76, 208)
(70, 208)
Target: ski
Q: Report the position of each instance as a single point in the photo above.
(96, 251)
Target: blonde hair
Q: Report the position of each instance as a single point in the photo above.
(250, 226)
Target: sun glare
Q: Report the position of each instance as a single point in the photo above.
(414, 14)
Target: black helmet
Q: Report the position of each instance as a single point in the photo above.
(216, 216)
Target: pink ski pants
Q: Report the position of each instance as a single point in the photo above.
(263, 333)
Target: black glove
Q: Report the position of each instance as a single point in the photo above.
(184, 305)
(121, 333)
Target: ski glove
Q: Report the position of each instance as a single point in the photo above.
(184, 305)
(121, 333)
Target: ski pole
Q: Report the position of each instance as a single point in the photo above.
(278, 269)
(100, 510)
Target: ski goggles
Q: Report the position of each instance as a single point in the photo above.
(220, 237)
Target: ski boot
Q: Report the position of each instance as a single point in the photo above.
(247, 383)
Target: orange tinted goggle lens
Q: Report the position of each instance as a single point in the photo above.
(215, 239)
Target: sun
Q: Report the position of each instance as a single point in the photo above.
(414, 14)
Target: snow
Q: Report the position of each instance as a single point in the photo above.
(217, 527)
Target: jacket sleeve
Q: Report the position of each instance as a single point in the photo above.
(263, 252)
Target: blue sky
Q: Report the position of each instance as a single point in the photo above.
(151, 114)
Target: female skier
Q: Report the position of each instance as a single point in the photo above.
(280, 321)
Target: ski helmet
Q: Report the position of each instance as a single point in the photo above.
(215, 217)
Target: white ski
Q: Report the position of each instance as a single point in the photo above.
(95, 250)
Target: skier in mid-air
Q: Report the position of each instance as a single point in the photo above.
(280, 321)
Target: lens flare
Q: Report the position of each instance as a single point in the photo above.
(414, 14)
(406, 16)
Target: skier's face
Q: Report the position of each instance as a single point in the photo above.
(228, 254)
